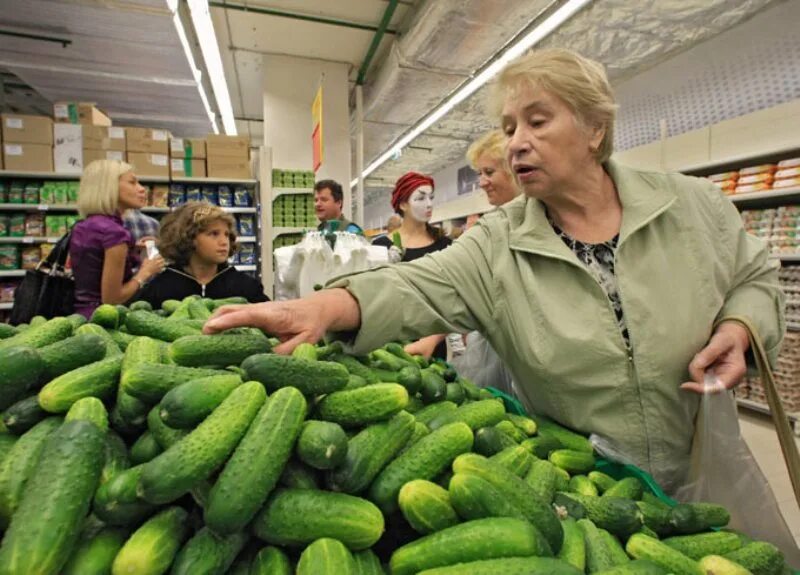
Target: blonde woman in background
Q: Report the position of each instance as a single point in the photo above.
(101, 248)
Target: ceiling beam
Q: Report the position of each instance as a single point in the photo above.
(376, 41)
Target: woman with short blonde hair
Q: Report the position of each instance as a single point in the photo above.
(486, 156)
(198, 239)
(101, 248)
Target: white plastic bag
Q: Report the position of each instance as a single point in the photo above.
(481, 364)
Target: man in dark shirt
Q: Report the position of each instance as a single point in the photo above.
(328, 200)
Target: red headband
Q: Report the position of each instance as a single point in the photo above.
(407, 185)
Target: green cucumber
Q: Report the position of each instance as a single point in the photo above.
(23, 415)
(89, 409)
(602, 481)
(573, 549)
(567, 438)
(362, 406)
(20, 464)
(382, 359)
(619, 516)
(518, 492)
(490, 441)
(185, 406)
(322, 444)
(369, 451)
(573, 462)
(116, 501)
(367, 563)
(598, 555)
(304, 351)
(420, 431)
(355, 382)
(688, 518)
(121, 338)
(507, 566)
(397, 349)
(142, 349)
(639, 567)
(618, 554)
(481, 539)
(525, 424)
(643, 547)
(207, 554)
(582, 485)
(759, 557)
(7, 441)
(116, 460)
(431, 412)
(257, 462)
(271, 561)
(144, 449)
(21, 369)
(49, 332)
(106, 316)
(424, 460)
(111, 347)
(628, 488)
(95, 555)
(455, 393)
(199, 310)
(541, 447)
(483, 413)
(141, 305)
(153, 546)
(98, 379)
(516, 459)
(701, 544)
(223, 349)
(164, 435)
(326, 556)
(475, 498)
(542, 477)
(7, 330)
(298, 475)
(426, 506)
(196, 456)
(310, 377)
(409, 377)
(656, 517)
(150, 382)
(71, 353)
(149, 324)
(722, 566)
(651, 499)
(296, 517)
(511, 430)
(355, 367)
(44, 530)
(433, 386)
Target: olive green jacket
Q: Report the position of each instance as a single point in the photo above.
(683, 262)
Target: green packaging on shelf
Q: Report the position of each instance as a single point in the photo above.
(72, 192)
(3, 191)
(60, 195)
(46, 193)
(16, 225)
(31, 193)
(3, 225)
(16, 192)
(55, 226)
(71, 221)
(9, 258)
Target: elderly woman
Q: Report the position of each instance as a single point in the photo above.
(603, 288)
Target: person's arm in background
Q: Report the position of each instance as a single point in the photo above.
(449, 291)
(754, 294)
(112, 288)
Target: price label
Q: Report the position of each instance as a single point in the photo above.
(15, 123)
(159, 135)
(43, 207)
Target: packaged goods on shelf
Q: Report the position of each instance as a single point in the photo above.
(55, 225)
(9, 257)
(3, 225)
(752, 170)
(159, 196)
(787, 377)
(147, 140)
(34, 225)
(787, 173)
(779, 227)
(177, 195)
(721, 177)
(85, 113)
(789, 277)
(46, 249)
(25, 129)
(71, 221)
(764, 177)
(3, 191)
(7, 290)
(727, 186)
(247, 254)
(786, 183)
(193, 193)
(30, 257)
(16, 225)
(30, 194)
(752, 188)
(16, 192)
(28, 157)
(209, 194)
(789, 163)
(225, 196)
(190, 148)
(247, 225)
(242, 197)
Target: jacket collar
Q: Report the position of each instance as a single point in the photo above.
(222, 269)
(642, 201)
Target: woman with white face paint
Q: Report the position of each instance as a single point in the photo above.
(412, 199)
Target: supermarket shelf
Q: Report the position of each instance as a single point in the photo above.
(38, 175)
(246, 182)
(153, 179)
(738, 160)
(759, 197)
(240, 210)
(12, 273)
(153, 210)
(246, 239)
(793, 418)
(793, 326)
(6, 305)
(29, 240)
(39, 207)
(291, 192)
(244, 268)
(280, 231)
(788, 257)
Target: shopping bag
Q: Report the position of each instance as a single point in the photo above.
(49, 290)
(724, 471)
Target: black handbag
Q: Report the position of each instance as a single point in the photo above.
(49, 290)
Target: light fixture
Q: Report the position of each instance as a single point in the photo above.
(515, 50)
(196, 74)
(204, 29)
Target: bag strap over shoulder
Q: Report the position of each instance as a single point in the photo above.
(59, 254)
(785, 436)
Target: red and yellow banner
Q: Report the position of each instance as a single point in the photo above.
(316, 133)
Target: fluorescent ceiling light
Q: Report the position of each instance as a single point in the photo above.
(515, 50)
(204, 28)
(198, 76)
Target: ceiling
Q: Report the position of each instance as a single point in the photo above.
(126, 55)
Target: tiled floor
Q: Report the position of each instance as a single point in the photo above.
(760, 436)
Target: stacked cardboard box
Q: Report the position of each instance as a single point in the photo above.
(27, 143)
(188, 158)
(148, 151)
(228, 156)
(83, 134)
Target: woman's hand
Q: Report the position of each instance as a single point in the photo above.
(425, 346)
(723, 356)
(295, 321)
(151, 267)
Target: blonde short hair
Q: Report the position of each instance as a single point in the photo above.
(492, 143)
(580, 82)
(99, 191)
(179, 229)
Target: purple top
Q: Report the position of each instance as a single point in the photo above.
(88, 244)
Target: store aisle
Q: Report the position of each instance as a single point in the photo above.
(760, 435)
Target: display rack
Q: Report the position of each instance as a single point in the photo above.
(794, 418)
(72, 208)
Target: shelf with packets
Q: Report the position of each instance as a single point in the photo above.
(6, 305)
(12, 273)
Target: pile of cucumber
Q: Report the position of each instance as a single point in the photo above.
(133, 444)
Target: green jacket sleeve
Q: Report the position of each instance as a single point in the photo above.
(754, 290)
(448, 291)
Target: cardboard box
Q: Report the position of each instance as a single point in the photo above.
(192, 148)
(79, 113)
(90, 156)
(28, 157)
(228, 168)
(23, 129)
(68, 149)
(149, 164)
(104, 138)
(227, 146)
(147, 140)
(186, 168)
